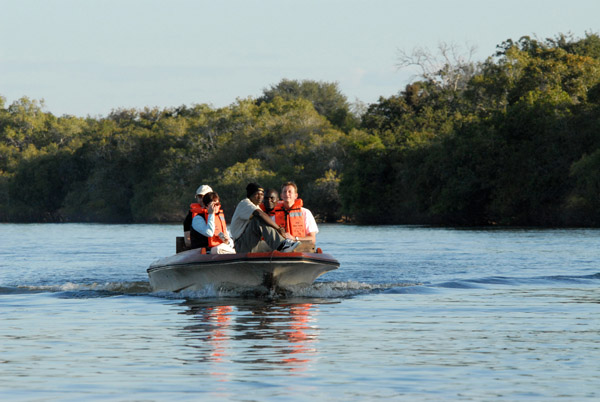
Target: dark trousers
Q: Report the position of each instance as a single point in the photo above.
(250, 240)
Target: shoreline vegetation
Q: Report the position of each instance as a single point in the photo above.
(511, 141)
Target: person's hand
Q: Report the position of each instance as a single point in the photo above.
(211, 207)
(285, 234)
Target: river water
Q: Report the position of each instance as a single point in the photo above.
(413, 313)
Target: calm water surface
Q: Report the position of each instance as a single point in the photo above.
(413, 313)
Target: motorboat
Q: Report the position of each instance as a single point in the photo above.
(196, 270)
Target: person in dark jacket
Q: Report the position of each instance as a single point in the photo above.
(192, 238)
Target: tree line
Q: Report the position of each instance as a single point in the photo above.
(512, 140)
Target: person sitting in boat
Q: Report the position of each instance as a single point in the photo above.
(251, 227)
(299, 222)
(211, 225)
(270, 201)
(192, 238)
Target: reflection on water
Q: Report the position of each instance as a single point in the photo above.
(499, 314)
(261, 334)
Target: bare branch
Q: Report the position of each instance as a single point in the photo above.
(450, 67)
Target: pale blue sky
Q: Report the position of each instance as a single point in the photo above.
(87, 57)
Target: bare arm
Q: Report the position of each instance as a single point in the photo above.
(260, 214)
(312, 237)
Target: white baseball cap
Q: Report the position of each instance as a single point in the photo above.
(203, 189)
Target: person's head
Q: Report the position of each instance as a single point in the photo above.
(211, 197)
(271, 198)
(289, 193)
(255, 193)
(201, 191)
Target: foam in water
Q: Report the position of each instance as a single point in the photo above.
(325, 290)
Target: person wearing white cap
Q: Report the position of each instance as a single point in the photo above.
(192, 238)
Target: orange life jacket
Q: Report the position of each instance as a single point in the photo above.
(291, 219)
(196, 209)
(220, 227)
(272, 212)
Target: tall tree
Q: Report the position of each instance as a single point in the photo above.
(326, 98)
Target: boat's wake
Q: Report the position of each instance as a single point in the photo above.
(552, 280)
(92, 289)
(323, 290)
(326, 290)
(319, 289)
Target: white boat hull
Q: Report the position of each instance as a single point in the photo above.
(192, 270)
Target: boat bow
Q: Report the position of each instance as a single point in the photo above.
(192, 270)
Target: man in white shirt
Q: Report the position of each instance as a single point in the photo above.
(289, 195)
(250, 225)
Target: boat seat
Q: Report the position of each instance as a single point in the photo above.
(180, 244)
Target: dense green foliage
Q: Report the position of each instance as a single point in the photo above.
(514, 140)
(517, 144)
(139, 166)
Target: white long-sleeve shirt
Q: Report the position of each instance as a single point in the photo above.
(204, 228)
